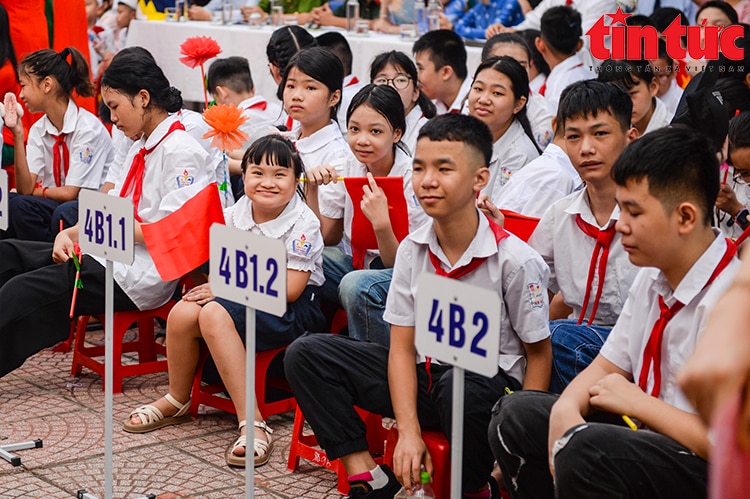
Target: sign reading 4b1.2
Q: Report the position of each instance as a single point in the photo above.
(3, 199)
(105, 226)
(248, 269)
(458, 323)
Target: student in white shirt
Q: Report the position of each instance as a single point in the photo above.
(329, 374)
(441, 64)
(37, 301)
(580, 437)
(576, 235)
(665, 70)
(498, 98)
(271, 166)
(559, 43)
(358, 280)
(68, 148)
(637, 79)
(734, 195)
(311, 93)
(537, 108)
(230, 82)
(398, 70)
(542, 182)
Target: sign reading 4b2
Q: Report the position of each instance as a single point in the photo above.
(458, 323)
(248, 269)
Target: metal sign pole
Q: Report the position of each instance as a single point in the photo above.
(249, 399)
(457, 431)
(109, 315)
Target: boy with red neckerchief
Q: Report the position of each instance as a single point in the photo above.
(580, 437)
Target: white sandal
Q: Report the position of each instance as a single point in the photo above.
(152, 418)
(261, 447)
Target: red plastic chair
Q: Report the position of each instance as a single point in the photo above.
(145, 345)
(207, 394)
(305, 446)
(440, 450)
(519, 225)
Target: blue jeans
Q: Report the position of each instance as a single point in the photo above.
(573, 349)
(361, 293)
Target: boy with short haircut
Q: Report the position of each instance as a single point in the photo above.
(229, 81)
(665, 69)
(576, 235)
(440, 57)
(336, 43)
(559, 43)
(667, 202)
(331, 373)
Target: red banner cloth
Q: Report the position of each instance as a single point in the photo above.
(178, 243)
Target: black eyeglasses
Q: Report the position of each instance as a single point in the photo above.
(741, 177)
(399, 83)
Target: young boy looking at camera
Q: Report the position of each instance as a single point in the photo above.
(330, 374)
(581, 437)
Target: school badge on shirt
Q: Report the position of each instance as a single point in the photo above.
(185, 179)
(536, 295)
(505, 174)
(85, 156)
(301, 247)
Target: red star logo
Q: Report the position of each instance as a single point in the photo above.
(619, 16)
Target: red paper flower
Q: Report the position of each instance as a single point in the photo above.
(225, 124)
(198, 49)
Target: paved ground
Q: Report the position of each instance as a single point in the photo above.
(41, 400)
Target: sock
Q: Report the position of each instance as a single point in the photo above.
(376, 478)
(485, 493)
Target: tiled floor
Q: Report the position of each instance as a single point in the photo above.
(42, 401)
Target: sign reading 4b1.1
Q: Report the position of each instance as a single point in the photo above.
(458, 323)
(3, 199)
(248, 269)
(105, 226)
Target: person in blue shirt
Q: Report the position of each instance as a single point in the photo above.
(484, 13)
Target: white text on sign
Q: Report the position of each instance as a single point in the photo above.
(105, 226)
(3, 199)
(458, 323)
(248, 269)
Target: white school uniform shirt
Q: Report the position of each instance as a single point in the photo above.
(458, 103)
(540, 115)
(567, 251)
(513, 270)
(672, 96)
(536, 84)
(349, 89)
(510, 153)
(568, 71)
(625, 345)
(297, 227)
(540, 184)
(336, 204)
(175, 171)
(722, 218)
(415, 120)
(660, 118)
(89, 146)
(325, 147)
(256, 116)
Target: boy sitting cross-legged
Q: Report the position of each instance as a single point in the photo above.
(665, 224)
(330, 374)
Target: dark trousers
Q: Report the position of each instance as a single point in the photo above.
(29, 218)
(36, 294)
(330, 374)
(600, 460)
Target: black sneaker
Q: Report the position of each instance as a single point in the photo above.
(362, 490)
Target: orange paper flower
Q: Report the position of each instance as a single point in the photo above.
(198, 49)
(225, 124)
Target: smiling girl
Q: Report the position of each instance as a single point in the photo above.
(359, 280)
(498, 97)
(271, 170)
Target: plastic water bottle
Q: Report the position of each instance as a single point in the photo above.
(352, 14)
(426, 492)
(433, 15)
(420, 17)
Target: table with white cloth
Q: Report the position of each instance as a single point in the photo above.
(163, 40)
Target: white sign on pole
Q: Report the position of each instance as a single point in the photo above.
(458, 324)
(248, 269)
(3, 199)
(105, 226)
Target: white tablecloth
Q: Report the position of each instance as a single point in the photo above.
(163, 40)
